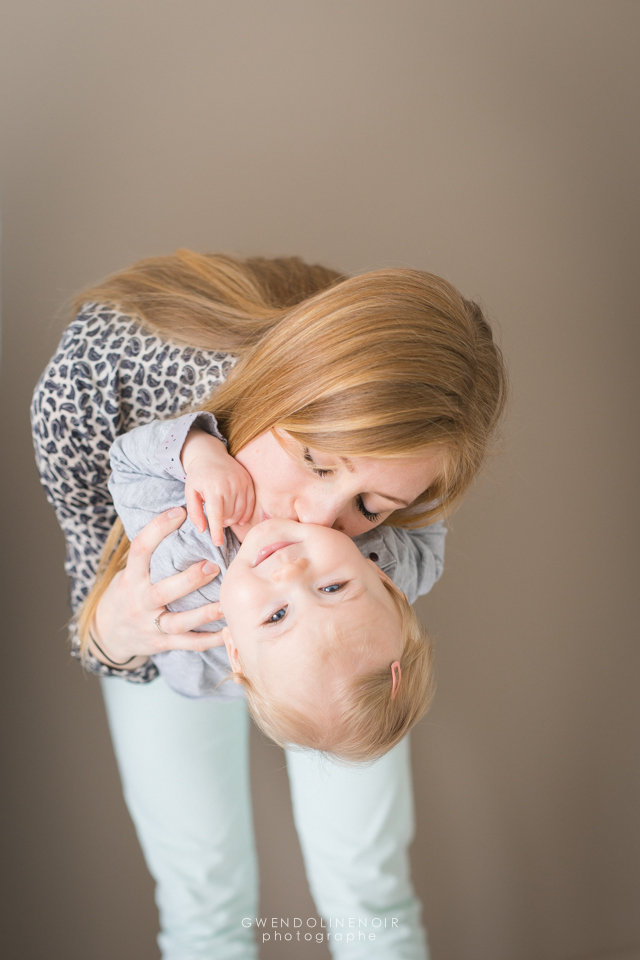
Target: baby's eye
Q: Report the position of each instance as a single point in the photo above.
(277, 616)
(332, 588)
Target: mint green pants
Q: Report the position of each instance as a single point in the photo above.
(185, 771)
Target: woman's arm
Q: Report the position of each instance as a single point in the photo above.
(106, 376)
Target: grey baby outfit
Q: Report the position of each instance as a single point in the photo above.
(147, 478)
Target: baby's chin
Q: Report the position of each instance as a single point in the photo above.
(255, 533)
(242, 531)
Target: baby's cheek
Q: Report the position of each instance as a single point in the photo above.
(237, 595)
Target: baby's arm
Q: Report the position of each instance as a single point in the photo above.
(141, 484)
(147, 478)
(412, 558)
(191, 445)
(215, 480)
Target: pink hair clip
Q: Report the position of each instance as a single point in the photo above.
(396, 675)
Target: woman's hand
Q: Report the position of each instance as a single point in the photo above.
(217, 481)
(124, 622)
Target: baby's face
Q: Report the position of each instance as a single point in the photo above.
(303, 606)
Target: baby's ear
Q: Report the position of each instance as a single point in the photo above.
(381, 573)
(217, 640)
(387, 579)
(232, 652)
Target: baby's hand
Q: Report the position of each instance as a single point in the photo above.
(217, 481)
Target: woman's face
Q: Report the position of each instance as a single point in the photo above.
(353, 495)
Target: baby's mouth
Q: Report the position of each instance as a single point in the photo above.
(271, 549)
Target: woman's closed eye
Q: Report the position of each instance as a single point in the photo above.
(329, 472)
(371, 517)
(319, 471)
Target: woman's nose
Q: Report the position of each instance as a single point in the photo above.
(323, 512)
(335, 514)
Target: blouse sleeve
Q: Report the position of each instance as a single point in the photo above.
(412, 558)
(107, 376)
(147, 478)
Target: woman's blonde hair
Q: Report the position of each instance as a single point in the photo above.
(389, 364)
(370, 717)
(386, 364)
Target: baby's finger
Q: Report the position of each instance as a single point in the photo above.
(180, 584)
(215, 515)
(236, 511)
(249, 506)
(195, 510)
(150, 537)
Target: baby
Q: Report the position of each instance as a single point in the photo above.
(328, 650)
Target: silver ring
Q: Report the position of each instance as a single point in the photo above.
(157, 622)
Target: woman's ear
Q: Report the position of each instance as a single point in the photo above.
(232, 653)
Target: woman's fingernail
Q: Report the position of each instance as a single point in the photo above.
(174, 512)
(210, 567)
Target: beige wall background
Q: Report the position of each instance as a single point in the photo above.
(495, 143)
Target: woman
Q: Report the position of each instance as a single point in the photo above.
(374, 373)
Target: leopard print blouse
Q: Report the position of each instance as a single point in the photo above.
(107, 376)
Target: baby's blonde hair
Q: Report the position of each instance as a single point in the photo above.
(367, 718)
(369, 721)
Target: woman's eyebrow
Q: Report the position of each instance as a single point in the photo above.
(387, 496)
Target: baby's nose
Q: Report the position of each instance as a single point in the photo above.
(290, 570)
